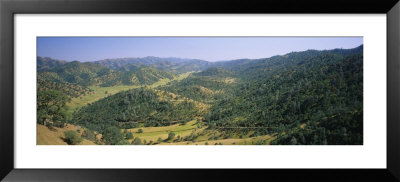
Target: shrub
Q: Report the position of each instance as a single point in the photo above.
(137, 141)
(112, 135)
(72, 137)
(129, 135)
(140, 130)
(89, 135)
(170, 135)
(50, 126)
(59, 124)
(123, 142)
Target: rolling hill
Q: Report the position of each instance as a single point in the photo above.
(89, 74)
(318, 90)
(206, 86)
(145, 76)
(55, 136)
(135, 107)
(74, 78)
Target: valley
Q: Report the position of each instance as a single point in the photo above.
(300, 98)
(101, 92)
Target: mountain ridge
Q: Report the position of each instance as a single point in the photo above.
(157, 62)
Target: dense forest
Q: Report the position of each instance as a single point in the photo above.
(300, 98)
(317, 101)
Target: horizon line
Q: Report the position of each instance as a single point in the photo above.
(197, 58)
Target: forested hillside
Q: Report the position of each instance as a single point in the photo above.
(145, 76)
(309, 100)
(206, 86)
(74, 78)
(131, 108)
(51, 81)
(300, 98)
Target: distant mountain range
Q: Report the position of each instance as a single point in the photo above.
(180, 65)
(174, 65)
(46, 63)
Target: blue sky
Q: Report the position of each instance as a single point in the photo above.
(205, 48)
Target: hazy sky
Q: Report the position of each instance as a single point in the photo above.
(205, 48)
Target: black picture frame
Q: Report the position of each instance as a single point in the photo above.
(8, 8)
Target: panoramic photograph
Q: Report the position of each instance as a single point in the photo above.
(199, 91)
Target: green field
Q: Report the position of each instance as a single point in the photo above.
(153, 134)
(230, 141)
